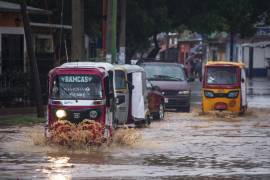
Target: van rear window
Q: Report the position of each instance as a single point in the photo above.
(162, 72)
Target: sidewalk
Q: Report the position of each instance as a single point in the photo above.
(258, 92)
(17, 111)
(258, 86)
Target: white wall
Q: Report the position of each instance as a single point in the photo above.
(227, 55)
(258, 58)
(237, 51)
(267, 52)
(245, 56)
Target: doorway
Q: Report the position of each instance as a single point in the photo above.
(12, 53)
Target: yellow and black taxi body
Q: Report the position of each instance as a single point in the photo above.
(224, 87)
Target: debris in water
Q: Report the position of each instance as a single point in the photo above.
(225, 114)
(127, 136)
(38, 139)
(219, 114)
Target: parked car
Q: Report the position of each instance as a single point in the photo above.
(171, 79)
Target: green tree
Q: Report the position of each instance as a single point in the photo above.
(145, 19)
(238, 18)
(232, 16)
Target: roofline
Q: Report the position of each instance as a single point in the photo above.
(15, 8)
(44, 12)
(190, 40)
(160, 62)
(130, 68)
(50, 25)
(84, 64)
(60, 70)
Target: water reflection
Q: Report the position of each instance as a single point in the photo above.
(59, 177)
(58, 168)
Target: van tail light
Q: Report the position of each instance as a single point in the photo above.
(220, 106)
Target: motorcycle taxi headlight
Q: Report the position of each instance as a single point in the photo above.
(233, 94)
(93, 114)
(183, 92)
(209, 94)
(60, 113)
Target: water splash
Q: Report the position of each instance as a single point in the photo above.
(127, 136)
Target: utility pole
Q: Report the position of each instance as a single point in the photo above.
(250, 64)
(109, 32)
(104, 27)
(122, 41)
(231, 45)
(77, 47)
(114, 24)
(167, 37)
(32, 58)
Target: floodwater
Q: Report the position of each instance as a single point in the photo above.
(185, 145)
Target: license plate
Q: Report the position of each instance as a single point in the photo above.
(166, 100)
(76, 115)
(220, 91)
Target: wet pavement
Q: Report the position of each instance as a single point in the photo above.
(185, 145)
(258, 90)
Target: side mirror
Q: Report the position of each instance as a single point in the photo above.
(242, 80)
(120, 99)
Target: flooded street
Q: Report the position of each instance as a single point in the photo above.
(134, 89)
(185, 145)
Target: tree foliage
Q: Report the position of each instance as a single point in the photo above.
(145, 19)
(237, 16)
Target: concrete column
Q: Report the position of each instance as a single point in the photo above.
(77, 47)
(114, 31)
(250, 69)
(109, 32)
(1, 53)
(122, 40)
(25, 57)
